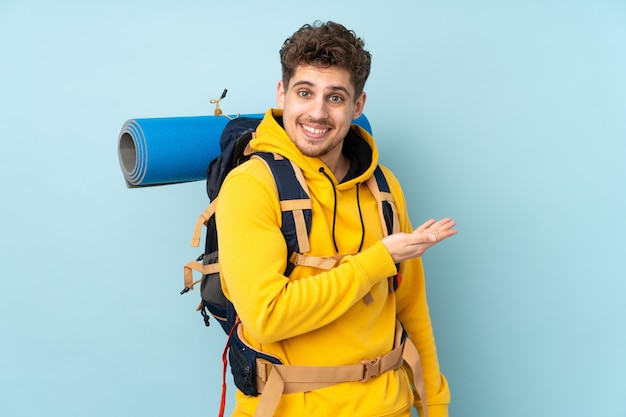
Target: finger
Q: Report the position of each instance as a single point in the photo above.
(443, 224)
(442, 235)
(436, 236)
(425, 225)
(449, 224)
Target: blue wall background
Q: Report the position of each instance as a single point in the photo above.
(507, 116)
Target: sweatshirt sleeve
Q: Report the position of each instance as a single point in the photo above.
(253, 258)
(414, 314)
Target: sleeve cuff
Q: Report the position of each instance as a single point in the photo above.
(377, 262)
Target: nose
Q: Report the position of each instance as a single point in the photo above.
(318, 108)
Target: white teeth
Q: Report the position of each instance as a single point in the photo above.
(314, 131)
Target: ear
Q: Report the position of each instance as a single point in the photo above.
(280, 95)
(359, 105)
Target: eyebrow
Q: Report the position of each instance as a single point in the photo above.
(332, 88)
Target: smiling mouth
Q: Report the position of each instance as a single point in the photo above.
(314, 131)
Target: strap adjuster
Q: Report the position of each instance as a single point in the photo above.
(263, 369)
(371, 368)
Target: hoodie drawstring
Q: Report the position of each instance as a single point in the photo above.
(358, 201)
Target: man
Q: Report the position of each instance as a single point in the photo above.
(327, 318)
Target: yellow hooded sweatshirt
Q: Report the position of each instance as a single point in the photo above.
(317, 317)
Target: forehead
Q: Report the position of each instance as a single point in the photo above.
(330, 78)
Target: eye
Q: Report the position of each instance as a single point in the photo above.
(336, 99)
(303, 93)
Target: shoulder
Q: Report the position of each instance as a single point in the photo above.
(253, 171)
(249, 186)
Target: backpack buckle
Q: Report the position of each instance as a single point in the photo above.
(371, 368)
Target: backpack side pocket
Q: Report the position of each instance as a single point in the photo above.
(243, 360)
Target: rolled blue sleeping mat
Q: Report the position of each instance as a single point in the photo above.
(159, 151)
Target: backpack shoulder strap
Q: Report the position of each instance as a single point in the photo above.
(386, 206)
(379, 187)
(295, 203)
(296, 207)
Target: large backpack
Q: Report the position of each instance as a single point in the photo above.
(296, 223)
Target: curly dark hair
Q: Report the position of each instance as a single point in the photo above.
(326, 45)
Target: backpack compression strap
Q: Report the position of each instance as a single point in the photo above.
(196, 265)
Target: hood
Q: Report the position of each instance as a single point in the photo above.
(358, 147)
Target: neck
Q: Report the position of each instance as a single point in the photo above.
(338, 166)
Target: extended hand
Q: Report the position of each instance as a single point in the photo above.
(403, 246)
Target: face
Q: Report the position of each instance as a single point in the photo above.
(318, 106)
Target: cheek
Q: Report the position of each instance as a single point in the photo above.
(289, 122)
(344, 117)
